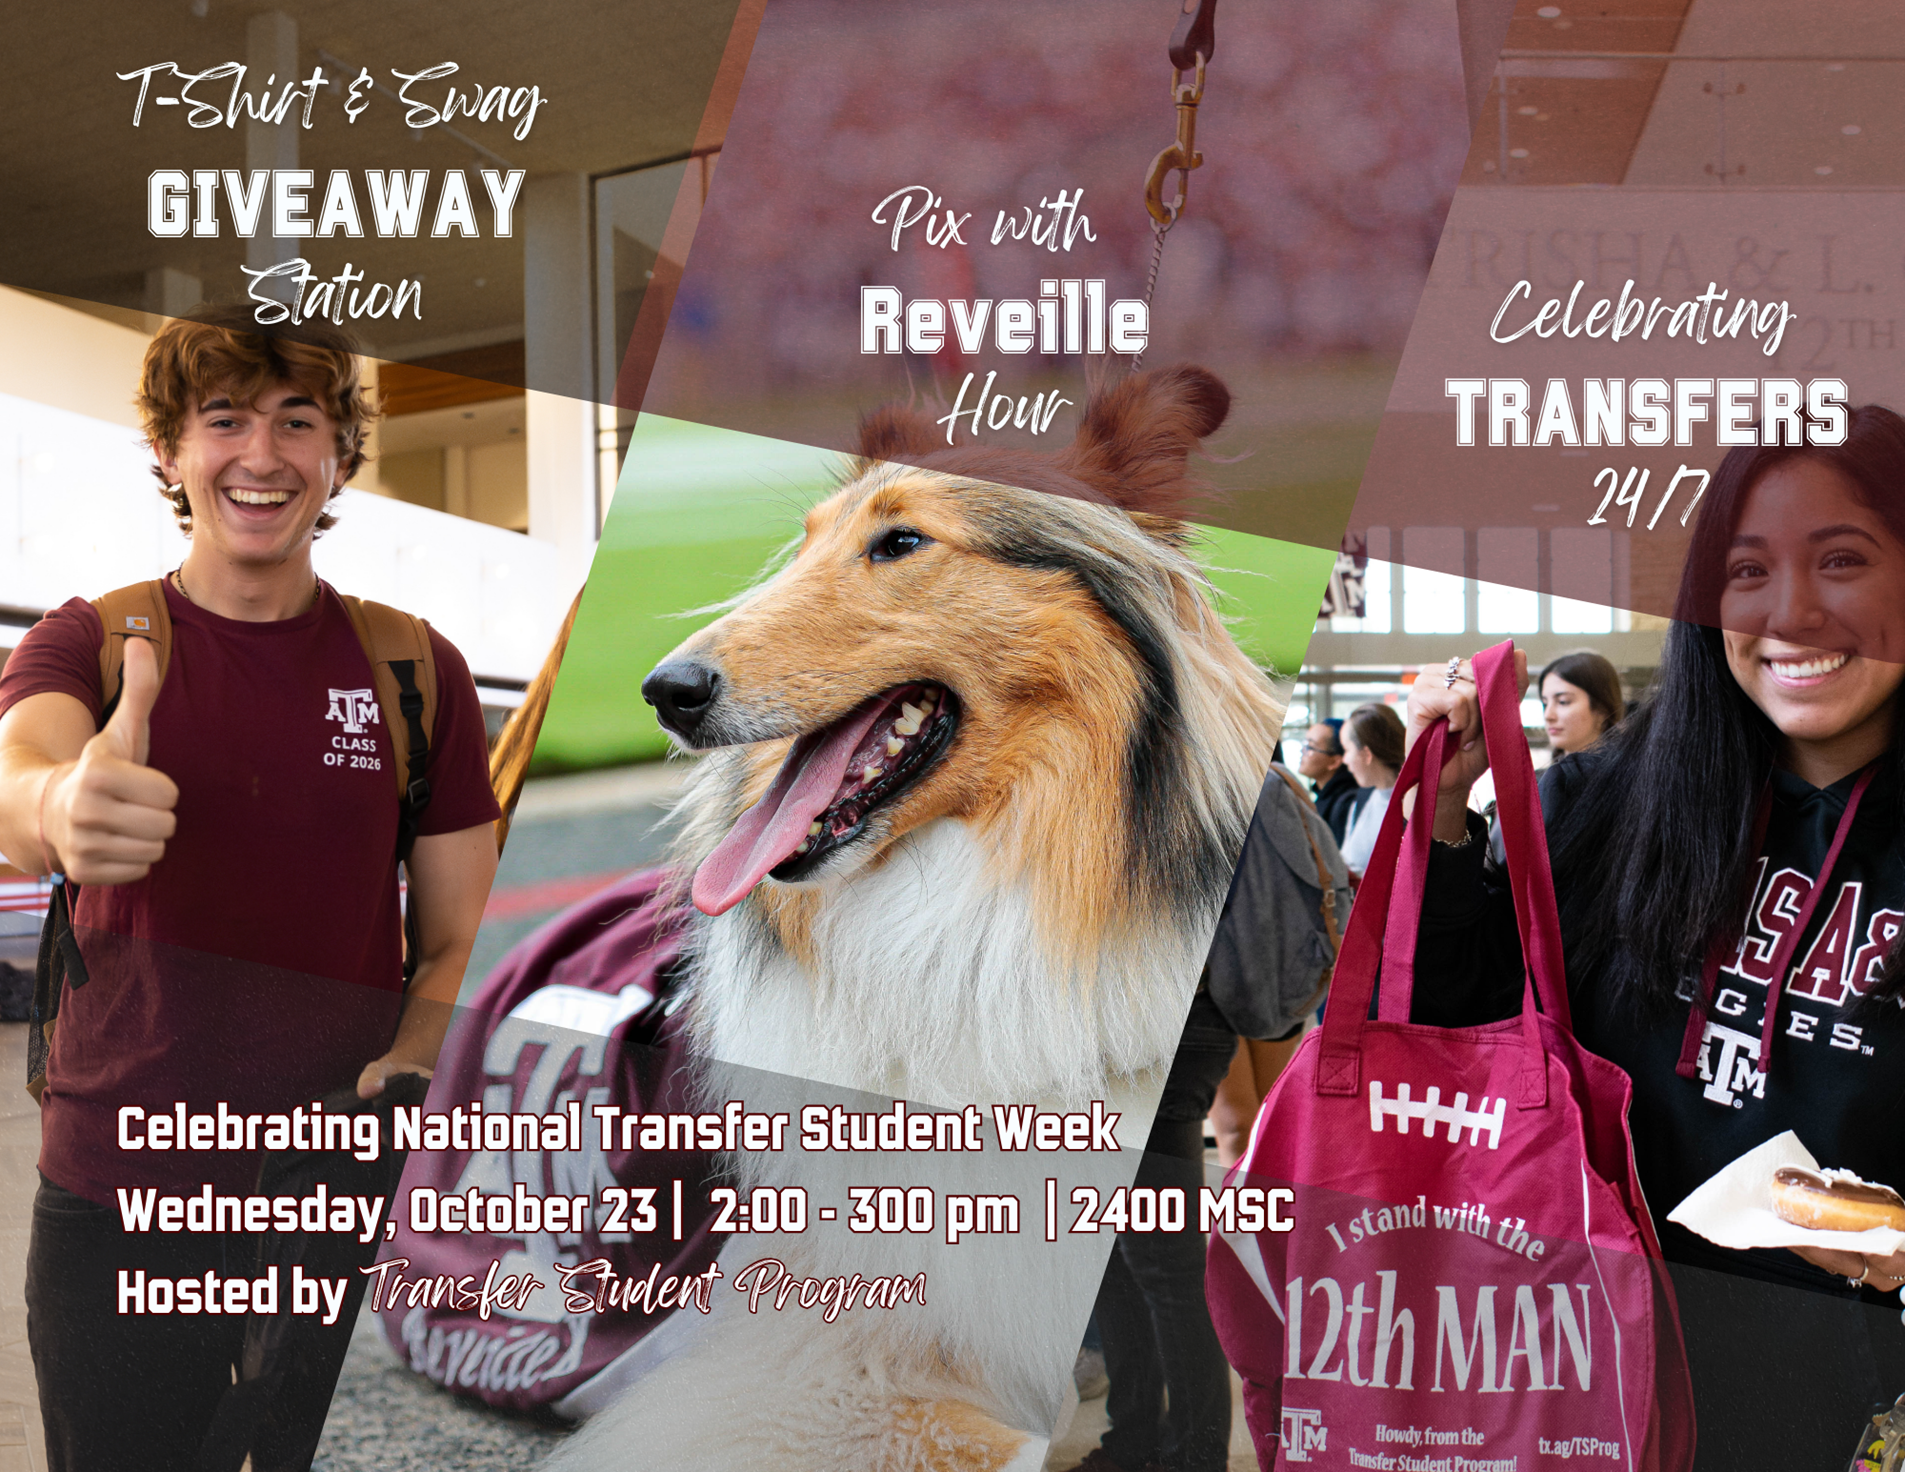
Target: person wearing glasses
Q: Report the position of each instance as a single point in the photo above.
(1338, 794)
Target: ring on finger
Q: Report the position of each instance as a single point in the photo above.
(1454, 671)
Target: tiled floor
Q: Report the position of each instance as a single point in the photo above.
(386, 1419)
(19, 1442)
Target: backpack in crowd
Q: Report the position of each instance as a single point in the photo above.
(1276, 942)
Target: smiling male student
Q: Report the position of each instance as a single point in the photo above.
(234, 830)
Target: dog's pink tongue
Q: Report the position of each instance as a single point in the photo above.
(769, 832)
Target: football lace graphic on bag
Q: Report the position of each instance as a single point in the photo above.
(1432, 1112)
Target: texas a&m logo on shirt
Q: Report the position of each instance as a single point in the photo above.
(1844, 958)
(1841, 963)
(357, 709)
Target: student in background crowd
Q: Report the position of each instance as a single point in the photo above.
(1581, 699)
(1254, 1070)
(1275, 945)
(1372, 751)
(1337, 792)
(1273, 952)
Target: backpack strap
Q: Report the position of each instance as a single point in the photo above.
(58, 966)
(1323, 880)
(404, 670)
(134, 612)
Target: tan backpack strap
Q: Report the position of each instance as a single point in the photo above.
(403, 668)
(1323, 880)
(134, 612)
(389, 636)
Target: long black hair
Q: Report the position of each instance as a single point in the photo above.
(1653, 858)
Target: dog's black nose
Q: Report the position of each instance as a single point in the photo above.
(681, 692)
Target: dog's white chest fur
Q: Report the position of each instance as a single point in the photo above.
(933, 982)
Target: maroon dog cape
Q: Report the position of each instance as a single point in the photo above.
(1460, 1272)
(578, 1015)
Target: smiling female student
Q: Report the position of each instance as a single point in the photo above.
(1736, 842)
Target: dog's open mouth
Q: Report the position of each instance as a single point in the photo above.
(831, 781)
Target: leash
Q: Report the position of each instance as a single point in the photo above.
(1193, 43)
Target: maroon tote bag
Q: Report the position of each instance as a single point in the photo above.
(1461, 1274)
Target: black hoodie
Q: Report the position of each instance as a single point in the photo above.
(1835, 1078)
(1339, 800)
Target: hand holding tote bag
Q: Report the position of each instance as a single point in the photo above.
(1466, 1278)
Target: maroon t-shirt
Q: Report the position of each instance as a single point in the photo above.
(260, 962)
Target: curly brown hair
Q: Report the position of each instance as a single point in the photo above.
(221, 350)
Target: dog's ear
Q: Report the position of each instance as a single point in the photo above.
(1136, 437)
(893, 432)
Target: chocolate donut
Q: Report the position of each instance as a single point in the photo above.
(1835, 1201)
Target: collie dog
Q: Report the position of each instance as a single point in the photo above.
(981, 757)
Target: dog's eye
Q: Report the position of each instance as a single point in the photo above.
(893, 545)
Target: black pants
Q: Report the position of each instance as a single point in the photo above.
(1784, 1378)
(1158, 1337)
(134, 1392)
(1152, 1316)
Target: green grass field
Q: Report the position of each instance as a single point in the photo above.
(699, 513)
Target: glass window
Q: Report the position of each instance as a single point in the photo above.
(1376, 618)
(1508, 561)
(632, 211)
(1582, 559)
(1433, 602)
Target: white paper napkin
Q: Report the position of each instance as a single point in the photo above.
(1735, 1207)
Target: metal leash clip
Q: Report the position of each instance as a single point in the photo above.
(1193, 44)
(1181, 155)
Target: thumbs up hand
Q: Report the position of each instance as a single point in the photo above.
(108, 815)
(128, 735)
